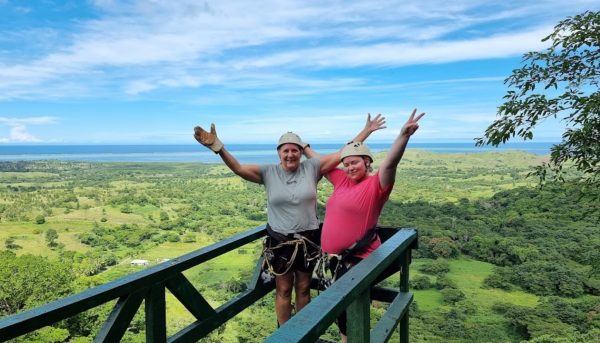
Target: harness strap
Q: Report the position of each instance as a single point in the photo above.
(343, 260)
(296, 240)
(268, 252)
(362, 244)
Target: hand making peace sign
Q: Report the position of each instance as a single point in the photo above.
(411, 125)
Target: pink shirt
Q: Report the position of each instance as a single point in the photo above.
(351, 211)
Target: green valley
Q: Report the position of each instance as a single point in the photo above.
(499, 260)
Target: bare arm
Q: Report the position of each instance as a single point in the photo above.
(327, 162)
(250, 172)
(387, 169)
(330, 161)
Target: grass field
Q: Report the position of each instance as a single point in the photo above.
(220, 205)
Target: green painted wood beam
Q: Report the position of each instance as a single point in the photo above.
(308, 324)
(189, 296)
(256, 280)
(359, 319)
(121, 315)
(199, 329)
(384, 328)
(404, 329)
(156, 315)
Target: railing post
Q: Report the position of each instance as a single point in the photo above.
(359, 315)
(155, 306)
(404, 268)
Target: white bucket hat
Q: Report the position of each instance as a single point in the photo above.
(290, 137)
(356, 149)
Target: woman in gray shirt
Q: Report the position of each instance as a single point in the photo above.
(291, 187)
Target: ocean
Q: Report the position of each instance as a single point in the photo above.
(245, 153)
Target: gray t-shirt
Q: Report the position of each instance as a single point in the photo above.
(292, 196)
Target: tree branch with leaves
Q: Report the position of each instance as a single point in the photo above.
(559, 82)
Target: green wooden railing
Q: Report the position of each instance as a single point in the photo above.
(352, 292)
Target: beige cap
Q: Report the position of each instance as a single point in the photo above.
(356, 149)
(290, 137)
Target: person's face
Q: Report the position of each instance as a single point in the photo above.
(289, 155)
(355, 167)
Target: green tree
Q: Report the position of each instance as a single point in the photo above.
(39, 219)
(559, 82)
(27, 281)
(164, 216)
(51, 236)
(549, 278)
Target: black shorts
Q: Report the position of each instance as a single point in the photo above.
(306, 253)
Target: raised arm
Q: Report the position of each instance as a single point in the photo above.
(387, 169)
(330, 161)
(250, 172)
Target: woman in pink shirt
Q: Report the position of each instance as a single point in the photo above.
(352, 211)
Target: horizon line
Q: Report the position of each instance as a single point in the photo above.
(442, 141)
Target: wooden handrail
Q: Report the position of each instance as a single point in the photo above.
(353, 291)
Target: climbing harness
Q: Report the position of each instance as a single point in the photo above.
(286, 247)
(339, 264)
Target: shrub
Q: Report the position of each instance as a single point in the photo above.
(500, 278)
(40, 219)
(444, 282)
(436, 267)
(452, 296)
(442, 247)
(421, 282)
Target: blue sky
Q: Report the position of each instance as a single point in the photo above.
(147, 72)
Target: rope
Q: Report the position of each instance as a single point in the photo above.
(299, 241)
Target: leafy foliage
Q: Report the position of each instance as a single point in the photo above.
(554, 320)
(560, 82)
(51, 237)
(452, 296)
(31, 280)
(39, 219)
(437, 267)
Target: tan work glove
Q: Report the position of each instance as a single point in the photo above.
(208, 139)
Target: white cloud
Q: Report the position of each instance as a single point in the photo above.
(18, 130)
(401, 54)
(135, 47)
(19, 134)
